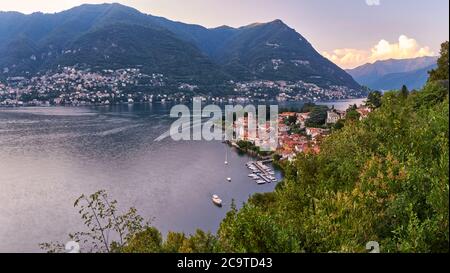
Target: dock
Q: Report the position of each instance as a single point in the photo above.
(263, 172)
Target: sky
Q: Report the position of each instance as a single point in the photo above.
(348, 32)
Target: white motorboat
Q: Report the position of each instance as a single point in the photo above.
(216, 200)
(260, 182)
(229, 179)
(226, 156)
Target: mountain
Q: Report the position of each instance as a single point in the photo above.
(275, 51)
(271, 51)
(99, 36)
(392, 74)
(113, 36)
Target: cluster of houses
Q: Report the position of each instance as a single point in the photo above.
(70, 85)
(77, 86)
(290, 143)
(293, 91)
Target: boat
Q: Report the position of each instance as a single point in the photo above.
(226, 156)
(229, 179)
(260, 182)
(216, 200)
(266, 178)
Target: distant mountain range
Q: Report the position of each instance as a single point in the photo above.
(393, 74)
(116, 36)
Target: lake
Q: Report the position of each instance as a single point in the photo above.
(50, 156)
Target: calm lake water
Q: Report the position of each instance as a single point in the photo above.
(50, 156)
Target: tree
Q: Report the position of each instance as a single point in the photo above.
(307, 107)
(107, 230)
(292, 120)
(174, 242)
(353, 115)
(374, 99)
(317, 117)
(441, 72)
(339, 125)
(147, 241)
(200, 242)
(404, 92)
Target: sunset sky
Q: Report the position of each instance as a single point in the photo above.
(349, 32)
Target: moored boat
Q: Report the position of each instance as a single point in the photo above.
(216, 200)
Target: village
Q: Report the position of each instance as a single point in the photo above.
(75, 86)
(297, 131)
(293, 91)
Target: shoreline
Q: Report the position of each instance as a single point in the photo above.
(175, 102)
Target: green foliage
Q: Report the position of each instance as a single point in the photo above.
(352, 115)
(318, 116)
(174, 242)
(150, 241)
(374, 99)
(307, 107)
(147, 241)
(382, 179)
(404, 92)
(253, 231)
(339, 125)
(106, 229)
(200, 242)
(249, 147)
(291, 120)
(441, 72)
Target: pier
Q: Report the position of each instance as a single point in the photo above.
(263, 173)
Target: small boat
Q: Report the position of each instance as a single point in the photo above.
(229, 179)
(260, 182)
(216, 200)
(226, 156)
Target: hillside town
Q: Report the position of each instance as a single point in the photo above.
(294, 91)
(74, 86)
(295, 134)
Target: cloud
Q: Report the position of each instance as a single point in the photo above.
(405, 48)
(373, 2)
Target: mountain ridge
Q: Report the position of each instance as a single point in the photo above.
(261, 51)
(393, 73)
